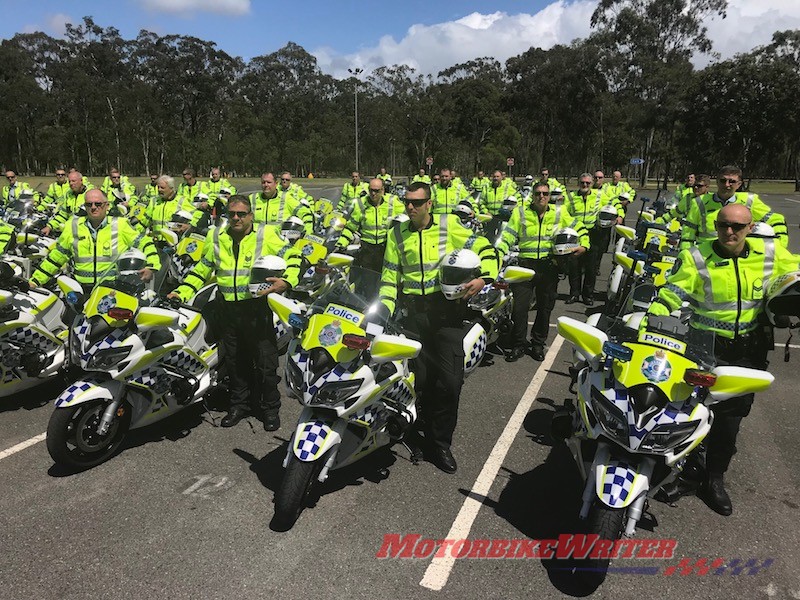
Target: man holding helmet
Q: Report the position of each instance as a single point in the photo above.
(414, 251)
(274, 207)
(725, 280)
(532, 225)
(247, 335)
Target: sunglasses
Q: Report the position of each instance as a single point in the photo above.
(728, 180)
(723, 225)
(12, 177)
(285, 179)
(586, 183)
(416, 203)
(697, 185)
(238, 213)
(186, 174)
(94, 204)
(374, 191)
(61, 174)
(541, 193)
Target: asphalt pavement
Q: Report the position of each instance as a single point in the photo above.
(183, 511)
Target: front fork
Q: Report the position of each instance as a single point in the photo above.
(111, 411)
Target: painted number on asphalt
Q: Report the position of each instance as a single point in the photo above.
(205, 486)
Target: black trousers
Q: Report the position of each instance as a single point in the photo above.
(748, 351)
(439, 369)
(545, 285)
(582, 270)
(370, 256)
(247, 337)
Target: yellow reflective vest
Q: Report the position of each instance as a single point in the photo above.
(446, 198)
(534, 234)
(94, 253)
(412, 257)
(371, 222)
(274, 211)
(232, 262)
(587, 208)
(727, 294)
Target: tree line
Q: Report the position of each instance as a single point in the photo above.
(157, 104)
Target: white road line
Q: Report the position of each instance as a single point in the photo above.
(22, 445)
(792, 200)
(438, 571)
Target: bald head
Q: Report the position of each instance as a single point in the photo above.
(96, 205)
(735, 213)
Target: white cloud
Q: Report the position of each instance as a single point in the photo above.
(432, 48)
(57, 24)
(185, 8)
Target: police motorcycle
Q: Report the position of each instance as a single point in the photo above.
(491, 306)
(645, 403)
(32, 332)
(143, 358)
(348, 366)
(29, 247)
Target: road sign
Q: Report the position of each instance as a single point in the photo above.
(510, 162)
(429, 161)
(637, 161)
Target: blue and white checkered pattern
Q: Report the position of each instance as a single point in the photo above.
(367, 415)
(617, 484)
(26, 336)
(72, 391)
(180, 268)
(181, 359)
(311, 439)
(340, 372)
(474, 350)
(111, 340)
(82, 327)
(10, 374)
(153, 378)
(401, 392)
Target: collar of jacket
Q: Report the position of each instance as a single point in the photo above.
(430, 224)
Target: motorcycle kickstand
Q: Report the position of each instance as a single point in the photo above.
(416, 455)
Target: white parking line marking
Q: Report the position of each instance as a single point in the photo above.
(22, 445)
(438, 571)
(792, 200)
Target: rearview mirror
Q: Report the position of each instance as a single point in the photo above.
(386, 348)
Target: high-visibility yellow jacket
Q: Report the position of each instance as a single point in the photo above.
(94, 253)
(699, 222)
(727, 294)
(274, 211)
(212, 188)
(534, 233)
(350, 192)
(445, 199)
(492, 197)
(412, 257)
(232, 262)
(587, 208)
(70, 205)
(159, 211)
(371, 222)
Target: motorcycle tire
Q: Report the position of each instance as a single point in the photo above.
(608, 524)
(72, 438)
(294, 490)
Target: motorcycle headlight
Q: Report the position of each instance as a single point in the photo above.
(105, 359)
(336, 392)
(666, 437)
(610, 417)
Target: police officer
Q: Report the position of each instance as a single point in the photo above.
(699, 221)
(686, 198)
(71, 204)
(57, 190)
(119, 191)
(352, 190)
(585, 205)
(414, 250)
(447, 194)
(480, 181)
(246, 329)
(273, 205)
(151, 189)
(532, 226)
(724, 280)
(491, 201)
(12, 190)
(93, 243)
(218, 189)
(371, 220)
(161, 208)
(552, 182)
(114, 177)
(421, 176)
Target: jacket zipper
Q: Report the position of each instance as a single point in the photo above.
(421, 265)
(738, 297)
(235, 266)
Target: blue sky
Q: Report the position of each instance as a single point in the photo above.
(427, 34)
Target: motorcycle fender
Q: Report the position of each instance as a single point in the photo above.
(313, 438)
(618, 483)
(86, 390)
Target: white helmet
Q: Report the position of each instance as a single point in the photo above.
(224, 192)
(180, 217)
(464, 210)
(625, 196)
(556, 191)
(529, 179)
(293, 228)
(200, 198)
(264, 267)
(565, 241)
(129, 264)
(25, 195)
(762, 230)
(607, 217)
(783, 299)
(457, 268)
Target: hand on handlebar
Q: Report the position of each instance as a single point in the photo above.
(473, 287)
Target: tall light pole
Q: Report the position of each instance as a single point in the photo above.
(355, 73)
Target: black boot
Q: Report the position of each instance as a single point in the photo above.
(714, 495)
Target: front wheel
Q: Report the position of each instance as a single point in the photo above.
(72, 438)
(607, 523)
(294, 490)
